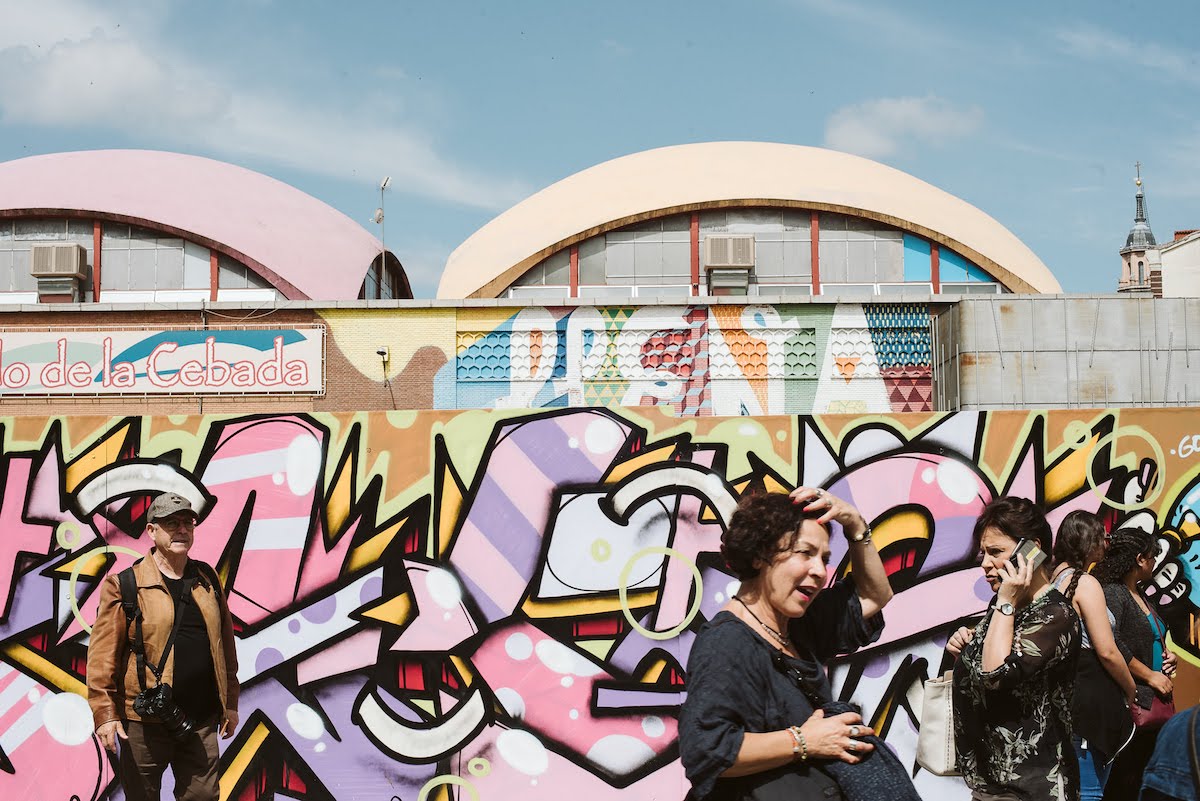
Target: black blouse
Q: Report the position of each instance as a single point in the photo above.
(737, 682)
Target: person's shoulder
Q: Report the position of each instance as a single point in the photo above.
(1057, 605)
(1089, 586)
(723, 636)
(1115, 594)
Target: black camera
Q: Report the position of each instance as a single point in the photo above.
(158, 702)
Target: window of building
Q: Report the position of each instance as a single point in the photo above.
(782, 240)
(136, 258)
(17, 238)
(783, 289)
(858, 251)
(235, 275)
(652, 253)
(977, 288)
(554, 270)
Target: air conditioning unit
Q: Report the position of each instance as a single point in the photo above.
(729, 251)
(59, 261)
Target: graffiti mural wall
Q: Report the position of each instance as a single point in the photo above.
(500, 605)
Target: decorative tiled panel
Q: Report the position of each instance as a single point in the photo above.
(697, 360)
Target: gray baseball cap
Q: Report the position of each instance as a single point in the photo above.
(166, 505)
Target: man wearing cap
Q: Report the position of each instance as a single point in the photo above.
(200, 667)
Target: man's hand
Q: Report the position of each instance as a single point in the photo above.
(108, 734)
(228, 724)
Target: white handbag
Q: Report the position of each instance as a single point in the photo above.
(935, 740)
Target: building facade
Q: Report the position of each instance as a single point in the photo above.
(131, 226)
(741, 218)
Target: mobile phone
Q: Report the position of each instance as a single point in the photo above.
(1031, 551)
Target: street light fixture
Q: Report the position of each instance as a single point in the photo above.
(378, 218)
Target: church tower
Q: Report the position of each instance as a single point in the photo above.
(1141, 265)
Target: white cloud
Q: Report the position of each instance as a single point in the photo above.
(880, 128)
(1096, 44)
(94, 73)
(43, 24)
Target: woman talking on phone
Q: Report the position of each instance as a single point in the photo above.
(1015, 674)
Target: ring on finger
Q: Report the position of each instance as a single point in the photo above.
(853, 731)
(852, 745)
(819, 492)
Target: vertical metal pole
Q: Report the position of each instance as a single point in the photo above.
(1021, 369)
(958, 377)
(1032, 334)
(996, 325)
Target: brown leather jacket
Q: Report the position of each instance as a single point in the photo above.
(112, 679)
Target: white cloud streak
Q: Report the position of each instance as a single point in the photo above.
(1096, 44)
(882, 127)
(67, 64)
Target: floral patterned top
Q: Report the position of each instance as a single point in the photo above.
(1012, 725)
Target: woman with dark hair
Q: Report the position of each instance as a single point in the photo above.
(1141, 636)
(1103, 686)
(752, 726)
(1015, 674)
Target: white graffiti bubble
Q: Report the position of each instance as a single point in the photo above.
(319, 747)
(305, 722)
(747, 430)
(719, 597)
(518, 646)
(573, 714)
(67, 718)
(567, 681)
(34, 695)
(512, 702)
(277, 478)
(562, 659)
(523, 752)
(573, 443)
(653, 726)
(928, 475)
(447, 616)
(620, 753)
(731, 589)
(957, 482)
(603, 436)
(303, 464)
(443, 588)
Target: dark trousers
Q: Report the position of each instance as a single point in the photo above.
(150, 750)
(1125, 781)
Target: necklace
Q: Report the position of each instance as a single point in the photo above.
(783, 640)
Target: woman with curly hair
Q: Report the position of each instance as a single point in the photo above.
(1141, 636)
(1104, 687)
(753, 726)
(1015, 674)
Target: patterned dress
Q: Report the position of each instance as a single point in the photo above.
(1012, 725)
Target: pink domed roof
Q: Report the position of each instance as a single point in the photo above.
(303, 247)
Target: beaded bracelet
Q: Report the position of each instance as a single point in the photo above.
(799, 745)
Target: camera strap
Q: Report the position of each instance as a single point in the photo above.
(139, 643)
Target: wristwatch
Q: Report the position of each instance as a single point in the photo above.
(1004, 608)
(863, 536)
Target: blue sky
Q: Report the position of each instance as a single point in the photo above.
(1034, 112)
